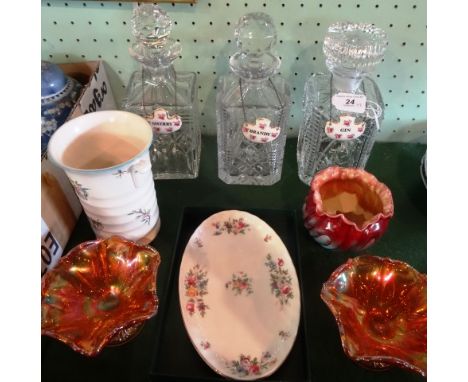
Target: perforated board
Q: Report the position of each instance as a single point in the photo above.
(87, 30)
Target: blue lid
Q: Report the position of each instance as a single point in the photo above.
(53, 80)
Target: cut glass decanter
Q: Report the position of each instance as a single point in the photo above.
(252, 107)
(343, 109)
(166, 98)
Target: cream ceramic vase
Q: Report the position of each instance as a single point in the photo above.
(121, 199)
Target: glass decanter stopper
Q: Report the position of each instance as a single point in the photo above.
(252, 107)
(343, 109)
(166, 98)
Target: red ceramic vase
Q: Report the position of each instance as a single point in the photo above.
(380, 306)
(100, 293)
(347, 209)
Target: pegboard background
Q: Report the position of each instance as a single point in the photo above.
(88, 30)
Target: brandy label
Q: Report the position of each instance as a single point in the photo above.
(261, 131)
(355, 103)
(345, 129)
(164, 123)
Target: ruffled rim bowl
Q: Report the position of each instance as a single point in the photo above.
(380, 306)
(101, 291)
(371, 193)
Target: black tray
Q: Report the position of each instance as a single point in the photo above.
(175, 358)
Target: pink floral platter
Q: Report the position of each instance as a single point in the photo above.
(239, 295)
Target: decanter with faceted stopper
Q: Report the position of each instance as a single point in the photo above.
(252, 107)
(343, 109)
(166, 98)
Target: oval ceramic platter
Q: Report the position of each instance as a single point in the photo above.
(239, 295)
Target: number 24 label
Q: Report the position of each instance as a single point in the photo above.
(355, 103)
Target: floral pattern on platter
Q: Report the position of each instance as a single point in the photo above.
(267, 238)
(284, 335)
(142, 214)
(198, 242)
(234, 226)
(246, 366)
(205, 345)
(81, 191)
(240, 282)
(280, 280)
(195, 288)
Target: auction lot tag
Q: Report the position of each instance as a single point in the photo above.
(355, 103)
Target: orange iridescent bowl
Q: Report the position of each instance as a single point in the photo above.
(100, 293)
(380, 306)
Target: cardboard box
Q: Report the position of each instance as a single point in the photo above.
(60, 207)
(97, 93)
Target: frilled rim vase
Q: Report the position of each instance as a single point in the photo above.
(347, 209)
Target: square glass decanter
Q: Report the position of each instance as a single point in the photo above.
(343, 109)
(165, 97)
(252, 107)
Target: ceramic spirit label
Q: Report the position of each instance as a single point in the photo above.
(164, 123)
(355, 103)
(261, 131)
(345, 129)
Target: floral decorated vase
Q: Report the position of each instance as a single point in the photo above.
(120, 199)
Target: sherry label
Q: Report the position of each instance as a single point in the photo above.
(345, 129)
(261, 131)
(164, 123)
(355, 103)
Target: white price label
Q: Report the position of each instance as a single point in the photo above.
(355, 103)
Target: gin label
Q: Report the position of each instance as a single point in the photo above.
(164, 123)
(345, 129)
(355, 103)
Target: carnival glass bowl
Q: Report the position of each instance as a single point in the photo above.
(380, 306)
(100, 293)
(347, 208)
